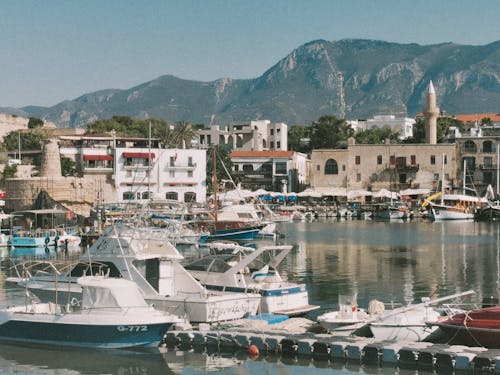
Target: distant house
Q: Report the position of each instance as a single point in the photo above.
(401, 125)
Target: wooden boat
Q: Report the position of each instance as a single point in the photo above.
(479, 327)
(111, 314)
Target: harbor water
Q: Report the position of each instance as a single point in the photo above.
(397, 262)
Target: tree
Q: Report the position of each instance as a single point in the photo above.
(34, 123)
(299, 138)
(330, 132)
(8, 172)
(486, 121)
(69, 167)
(376, 136)
(27, 140)
(223, 163)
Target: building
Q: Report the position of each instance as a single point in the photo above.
(401, 125)
(281, 171)
(260, 135)
(375, 167)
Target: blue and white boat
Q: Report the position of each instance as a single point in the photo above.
(111, 314)
(234, 268)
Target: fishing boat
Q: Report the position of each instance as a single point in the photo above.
(234, 268)
(145, 256)
(111, 314)
(479, 327)
(44, 229)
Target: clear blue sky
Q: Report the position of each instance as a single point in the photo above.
(52, 50)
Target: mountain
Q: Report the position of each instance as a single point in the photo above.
(351, 78)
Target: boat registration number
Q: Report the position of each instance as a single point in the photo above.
(132, 328)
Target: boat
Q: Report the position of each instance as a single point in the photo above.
(480, 327)
(234, 268)
(405, 323)
(144, 255)
(455, 206)
(489, 213)
(394, 210)
(235, 222)
(44, 229)
(112, 314)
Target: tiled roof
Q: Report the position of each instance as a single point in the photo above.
(494, 117)
(261, 154)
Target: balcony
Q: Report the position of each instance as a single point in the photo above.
(180, 166)
(406, 167)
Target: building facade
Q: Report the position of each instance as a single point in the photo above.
(260, 135)
(401, 125)
(281, 171)
(375, 167)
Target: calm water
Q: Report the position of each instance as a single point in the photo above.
(396, 261)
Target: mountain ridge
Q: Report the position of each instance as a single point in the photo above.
(349, 78)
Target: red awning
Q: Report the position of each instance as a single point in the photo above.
(97, 157)
(139, 155)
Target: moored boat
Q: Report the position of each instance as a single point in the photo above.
(479, 327)
(237, 269)
(111, 314)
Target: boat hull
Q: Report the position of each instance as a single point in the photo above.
(79, 330)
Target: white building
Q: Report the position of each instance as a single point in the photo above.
(137, 170)
(401, 125)
(261, 135)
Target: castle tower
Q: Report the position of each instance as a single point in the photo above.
(431, 112)
(51, 164)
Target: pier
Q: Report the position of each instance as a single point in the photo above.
(339, 350)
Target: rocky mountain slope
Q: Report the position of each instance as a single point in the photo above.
(347, 78)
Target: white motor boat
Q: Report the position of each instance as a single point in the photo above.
(111, 314)
(245, 269)
(145, 256)
(407, 323)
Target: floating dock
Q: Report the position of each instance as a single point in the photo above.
(340, 350)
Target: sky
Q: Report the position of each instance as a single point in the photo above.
(55, 50)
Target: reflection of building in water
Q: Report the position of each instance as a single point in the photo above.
(392, 262)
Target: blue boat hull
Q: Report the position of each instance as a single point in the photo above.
(236, 234)
(78, 335)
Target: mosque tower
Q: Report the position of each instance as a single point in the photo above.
(431, 112)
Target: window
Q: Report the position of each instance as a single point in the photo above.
(236, 167)
(445, 157)
(171, 173)
(272, 133)
(171, 195)
(281, 168)
(413, 159)
(488, 177)
(433, 159)
(278, 144)
(271, 144)
(190, 161)
(190, 173)
(379, 159)
(470, 146)
(488, 162)
(436, 176)
(331, 167)
(358, 160)
(488, 146)
(146, 195)
(318, 167)
(128, 195)
(358, 177)
(247, 168)
(189, 197)
(392, 160)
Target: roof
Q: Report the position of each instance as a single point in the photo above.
(495, 117)
(261, 154)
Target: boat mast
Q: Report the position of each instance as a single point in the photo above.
(465, 176)
(442, 178)
(214, 181)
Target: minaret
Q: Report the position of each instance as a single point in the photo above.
(431, 113)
